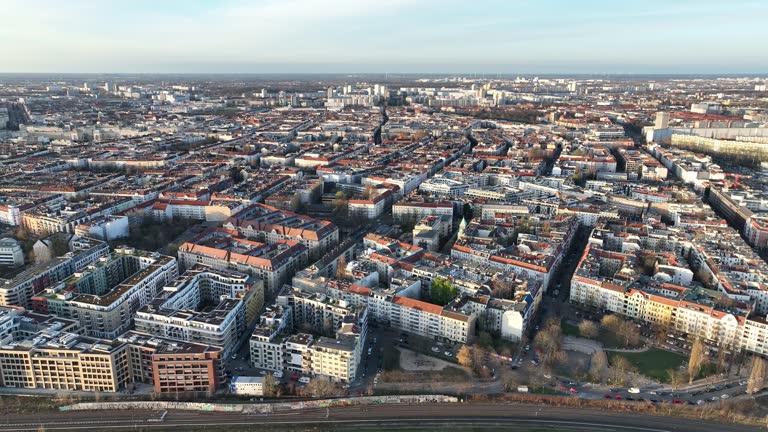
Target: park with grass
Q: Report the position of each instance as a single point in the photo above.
(653, 363)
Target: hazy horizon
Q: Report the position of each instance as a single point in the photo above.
(385, 36)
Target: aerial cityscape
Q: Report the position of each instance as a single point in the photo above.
(425, 247)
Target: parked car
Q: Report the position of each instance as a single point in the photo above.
(435, 349)
(634, 390)
(448, 354)
(304, 380)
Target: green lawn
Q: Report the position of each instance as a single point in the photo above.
(569, 329)
(653, 363)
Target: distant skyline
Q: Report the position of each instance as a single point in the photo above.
(395, 36)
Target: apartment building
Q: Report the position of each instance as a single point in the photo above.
(175, 313)
(270, 225)
(274, 346)
(11, 254)
(223, 249)
(416, 209)
(18, 290)
(174, 366)
(109, 314)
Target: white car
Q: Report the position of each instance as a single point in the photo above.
(277, 374)
(448, 354)
(435, 349)
(724, 396)
(263, 372)
(304, 380)
(634, 390)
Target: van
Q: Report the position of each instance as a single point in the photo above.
(634, 390)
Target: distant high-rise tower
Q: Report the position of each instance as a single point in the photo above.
(263, 93)
(330, 92)
(662, 120)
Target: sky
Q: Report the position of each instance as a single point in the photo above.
(383, 36)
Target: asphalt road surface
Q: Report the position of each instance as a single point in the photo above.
(383, 417)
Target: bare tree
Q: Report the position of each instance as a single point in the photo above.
(598, 365)
(629, 333)
(676, 378)
(696, 360)
(588, 329)
(620, 367)
(464, 356)
(320, 388)
(611, 322)
(511, 382)
(757, 375)
(341, 268)
(270, 386)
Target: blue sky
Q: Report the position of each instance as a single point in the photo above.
(266, 36)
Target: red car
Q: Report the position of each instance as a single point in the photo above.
(608, 396)
(676, 401)
(618, 397)
(573, 390)
(563, 388)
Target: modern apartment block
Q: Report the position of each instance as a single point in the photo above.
(176, 312)
(408, 314)
(11, 254)
(223, 249)
(269, 225)
(106, 310)
(53, 358)
(275, 346)
(18, 290)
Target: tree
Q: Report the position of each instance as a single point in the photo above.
(696, 360)
(757, 375)
(341, 268)
(485, 340)
(441, 292)
(611, 322)
(588, 329)
(464, 356)
(511, 382)
(270, 386)
(550, 340)
(236, 174)
(619, 369)
(502, 288)
(676, 378)
(629, 332)
(478, 357)
(466, 211)
(321, 388)
(598, 365)
(341, 204)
